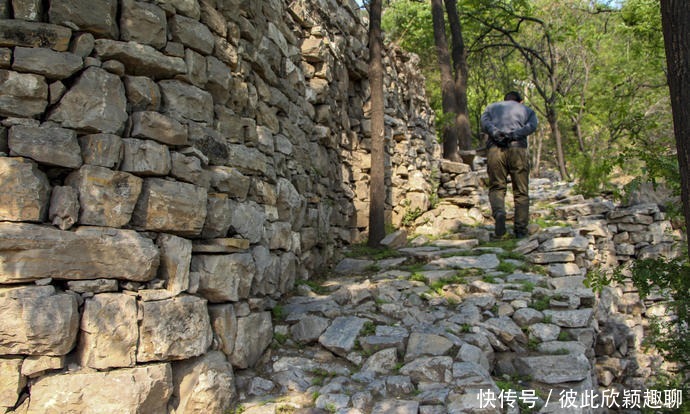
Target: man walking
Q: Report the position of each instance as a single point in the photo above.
(508, 124)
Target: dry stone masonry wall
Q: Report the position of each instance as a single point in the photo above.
(170, 168)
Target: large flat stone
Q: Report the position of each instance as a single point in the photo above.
(485, 261)
(204, 384)
(95, 16)
(341, 335)
(139, 59)
(144, 389)
(254, 335)
(554, 369)
(156, 126)
(224, 278)
(11, 381)
(46, 145)
(30, 252)
(33, 34)
(46, 62)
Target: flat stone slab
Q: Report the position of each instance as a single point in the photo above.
(87, 253)
(485, 261)
(351, 266)
(578, 318)
(341, 335)
(467, 244)
(554, 369)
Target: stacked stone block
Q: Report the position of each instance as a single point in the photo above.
(169, 168)
(601, 239)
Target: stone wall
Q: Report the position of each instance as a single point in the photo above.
(602, 238)
(170, 168)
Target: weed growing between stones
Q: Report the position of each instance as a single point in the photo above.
(506, 267)
(527, 286)
(540, 304)
(418, 277)
(564, 336)
(364, 251)
(278, 312)
(280, 338)
(314, 286)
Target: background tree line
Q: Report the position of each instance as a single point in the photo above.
(594, 71)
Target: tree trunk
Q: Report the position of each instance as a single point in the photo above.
(675, 20)
(450, 134)
(377, 193)
(539, 151)
(462, 119)
(556, 134)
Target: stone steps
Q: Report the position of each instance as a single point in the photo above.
(426, 333)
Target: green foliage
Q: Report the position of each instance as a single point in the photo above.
(418, 277)
(314, 286)
(506, 267)
(440, 284)
(505, 244)
(489, 279)
(593, 176)
(669, 334)
(280, 338)
(534, 268)
(511, 256)
(564, 336)
(659, 166)
(540, 304)
(278, 312)
(369, 328)
(643, 18)
(670, 279)
(408, 23)
(362, 250)
(528, 287)
(410, 216)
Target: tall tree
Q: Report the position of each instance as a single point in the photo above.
(459, 54)
(675, 20)
(448, 99)
(377, 189)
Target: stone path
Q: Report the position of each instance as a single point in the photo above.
(463, 325)
(430, 330)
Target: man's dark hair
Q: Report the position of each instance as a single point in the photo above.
(513, 96)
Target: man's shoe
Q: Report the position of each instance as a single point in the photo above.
(520, 235)
(500, 228)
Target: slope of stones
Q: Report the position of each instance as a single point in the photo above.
(426, 332)
(446, 321)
